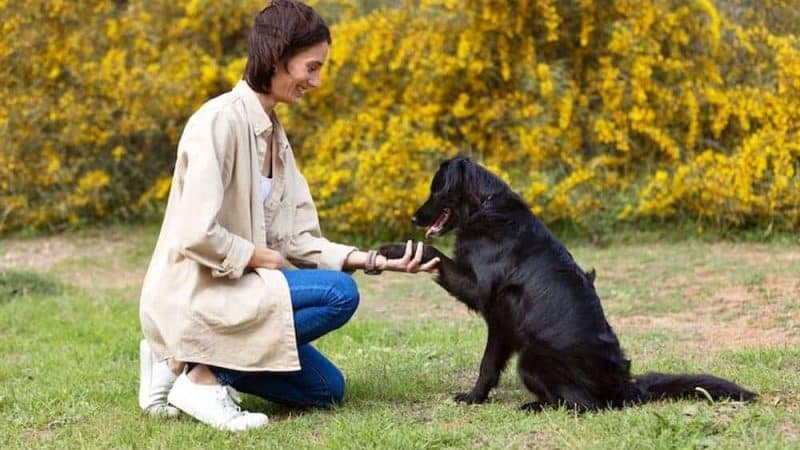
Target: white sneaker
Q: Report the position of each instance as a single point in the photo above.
(214, 405)
(155, 381)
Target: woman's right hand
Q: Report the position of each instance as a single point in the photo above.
(410, 261)
(267, 258)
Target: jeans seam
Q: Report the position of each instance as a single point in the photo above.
(325, 382)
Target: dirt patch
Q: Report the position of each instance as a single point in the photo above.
(783, 287)
(788, 430)
(732, 317)
(393, 296)
(709, 336)
(94, 259)
(734, 295)
(38, 255)
(754, 254)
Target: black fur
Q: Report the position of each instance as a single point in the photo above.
(536, 301)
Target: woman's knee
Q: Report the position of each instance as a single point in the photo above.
(336, 386)
(347, 296)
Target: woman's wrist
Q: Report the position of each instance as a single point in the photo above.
(371, 264)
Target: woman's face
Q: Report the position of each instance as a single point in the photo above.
(300, 73)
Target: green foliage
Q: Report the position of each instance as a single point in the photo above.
(598, 111)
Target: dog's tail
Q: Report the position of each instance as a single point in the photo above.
(654, 386)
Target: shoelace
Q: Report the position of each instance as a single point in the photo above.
(230, 399)
(234, 394)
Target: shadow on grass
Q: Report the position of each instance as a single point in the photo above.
(16, 284)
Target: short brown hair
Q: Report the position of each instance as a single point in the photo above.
(281, 30)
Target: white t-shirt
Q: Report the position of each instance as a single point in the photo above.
(266, 186)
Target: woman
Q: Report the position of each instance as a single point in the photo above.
(220, 306)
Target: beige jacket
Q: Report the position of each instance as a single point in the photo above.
(200, 302)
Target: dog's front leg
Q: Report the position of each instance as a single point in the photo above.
(494, 361)
(449, 275)
(457, 283)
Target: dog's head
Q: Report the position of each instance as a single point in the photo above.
(458, 190)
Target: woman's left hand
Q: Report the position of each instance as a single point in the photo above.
(410, 262)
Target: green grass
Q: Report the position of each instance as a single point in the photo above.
(15, 284)
(69, 369)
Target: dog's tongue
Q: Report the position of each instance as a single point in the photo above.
(428, 232)
(437, 226)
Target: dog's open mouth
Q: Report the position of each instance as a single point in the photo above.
(438, 225)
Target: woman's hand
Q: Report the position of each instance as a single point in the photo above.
(267, 259)
(410, 262)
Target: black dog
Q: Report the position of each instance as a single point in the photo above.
(536, 301)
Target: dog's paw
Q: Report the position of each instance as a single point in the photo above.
(470, 398)
(392, 251)
(533, 407)
(397, 251)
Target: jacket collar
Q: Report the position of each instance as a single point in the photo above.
(258, 118)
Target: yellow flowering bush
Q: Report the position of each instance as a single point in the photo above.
(594, 110)
(95, 96)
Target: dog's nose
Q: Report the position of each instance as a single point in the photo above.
(414, 220)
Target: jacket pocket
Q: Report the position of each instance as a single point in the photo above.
(229, 305)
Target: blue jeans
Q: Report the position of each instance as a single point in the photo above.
(322, 300)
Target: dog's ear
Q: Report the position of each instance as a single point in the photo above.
(592, 274)
(467, 170)
(454, 174)
(455, 160)
(466, 178)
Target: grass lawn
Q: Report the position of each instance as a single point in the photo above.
(69, 332)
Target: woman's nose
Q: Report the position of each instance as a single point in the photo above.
(315, 81)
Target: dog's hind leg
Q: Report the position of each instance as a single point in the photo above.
(494, 361)
(554, 397)
(551, 381)
(531, 380)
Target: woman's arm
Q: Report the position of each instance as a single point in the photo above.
(205, 152)
(307, 247)
(410, 262)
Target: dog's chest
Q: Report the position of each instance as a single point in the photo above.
(498, 299)
(477, 253)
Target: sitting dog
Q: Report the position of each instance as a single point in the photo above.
(536, 301)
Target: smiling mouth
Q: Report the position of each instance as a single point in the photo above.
(438, 225)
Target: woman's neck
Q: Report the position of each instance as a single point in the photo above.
(267, 102)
